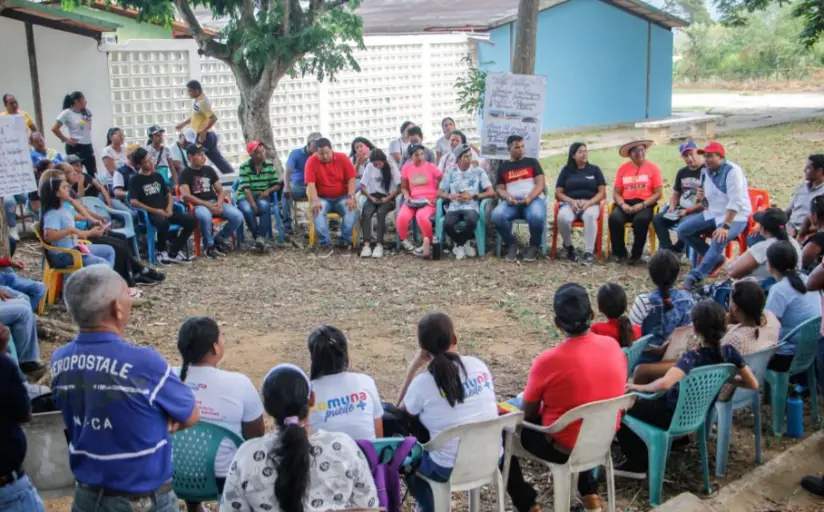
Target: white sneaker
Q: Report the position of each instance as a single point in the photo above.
(407, 245)
(181, 257)
(470, 251)
(15, 233)
(163, 258)
(459, 252)
(366, 252)
(377, 252)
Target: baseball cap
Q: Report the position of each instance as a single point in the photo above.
(253, 145)
(690, 144)
(73, 159)
(572, 307)
(460, 150)
(195, 148)
(155, 129)
(772, 220)
(414, 147)
(713, 147)
(190, 134)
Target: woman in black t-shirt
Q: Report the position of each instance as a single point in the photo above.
(813, 250)
(579, 191)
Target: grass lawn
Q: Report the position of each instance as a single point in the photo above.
(772, 157)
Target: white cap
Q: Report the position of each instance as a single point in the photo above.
(190, 134)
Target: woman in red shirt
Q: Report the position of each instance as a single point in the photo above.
(612, 303)
(637, 189)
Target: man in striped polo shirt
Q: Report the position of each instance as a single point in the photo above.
(259, 179)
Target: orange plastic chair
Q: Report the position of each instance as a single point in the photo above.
(599, 239)
(760, 200)
(215, 221)
(53, 277)
(653, 239)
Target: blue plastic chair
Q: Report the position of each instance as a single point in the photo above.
(517, 222)
(480, 227)
(697, 392)
(722, 412)
(97, 206)
(806, 348)
(144, 224)
(193, 458)
(634, 351)
(275, 205)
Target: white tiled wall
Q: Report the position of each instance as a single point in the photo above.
(401, 78)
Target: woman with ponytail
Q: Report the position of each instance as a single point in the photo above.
(753, 263)
(612, 303)
(453, 390)
(663, 310)
(709, 321)
(788, 299)
(751, 328)
(296, 469)
(344, 402)
(227, 399)
(380, 185)
(78, 120)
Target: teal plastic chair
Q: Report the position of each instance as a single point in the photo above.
(634, 351)
(722, 412)
(386, 446)
(697, 392)
(805, 338)
(480, 227)
(193, 458)
(97, 206)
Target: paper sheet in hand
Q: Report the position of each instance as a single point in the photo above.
(16, 172)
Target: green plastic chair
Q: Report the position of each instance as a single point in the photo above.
(193, 457)
(805, 338)
(634, 351)
(480, 227)
(698, 390)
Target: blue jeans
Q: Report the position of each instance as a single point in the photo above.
(298, 193)
(690, 230)
(34, 290)
(663, 226)
(99, 254)
(17, 315)
(11, 203)
(20, 496)
(87, 500)
(420, 489)
(337, 205)
(534, 213)
(230, 214)
(214, 154)
(263, 227)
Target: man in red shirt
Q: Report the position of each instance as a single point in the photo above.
(330, 185)
(584, 368)
(637, 189)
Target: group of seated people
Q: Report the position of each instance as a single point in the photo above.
(311, 457)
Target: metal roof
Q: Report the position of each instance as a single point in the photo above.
(57, 18)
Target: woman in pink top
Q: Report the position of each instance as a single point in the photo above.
(419, 185)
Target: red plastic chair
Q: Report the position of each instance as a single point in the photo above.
(760, 200)
(215, 221)
(579, 224)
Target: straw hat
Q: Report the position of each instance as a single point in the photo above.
(625, 149)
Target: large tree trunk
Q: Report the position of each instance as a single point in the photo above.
(523, 61)
(253, 115)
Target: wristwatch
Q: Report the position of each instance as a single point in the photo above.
(725, 226)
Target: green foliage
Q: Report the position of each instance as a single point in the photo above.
(765, 47)
(694, 11)
(809, 12)
(471, 86)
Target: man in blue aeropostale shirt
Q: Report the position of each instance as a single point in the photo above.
(119, 402)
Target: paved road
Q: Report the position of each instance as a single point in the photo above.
(758, 102)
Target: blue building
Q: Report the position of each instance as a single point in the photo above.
(606, 61)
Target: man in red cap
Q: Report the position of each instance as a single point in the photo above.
(259, 180)
(724, 188)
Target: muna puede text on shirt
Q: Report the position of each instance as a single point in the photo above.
(475, 386)
(340, 406)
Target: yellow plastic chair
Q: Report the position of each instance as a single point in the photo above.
(652, 237)
(53, 277)
(313, 237)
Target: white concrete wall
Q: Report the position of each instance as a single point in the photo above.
(66, 62)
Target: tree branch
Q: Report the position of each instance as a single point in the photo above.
(209, 46)
(247, 13)
(287, 11)
(318, 7)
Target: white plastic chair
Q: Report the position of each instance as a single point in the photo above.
(476, 465)
(591, 448)
(47, 457)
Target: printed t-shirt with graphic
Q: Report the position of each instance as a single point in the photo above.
(201, 112)
(581, 183)
(58, 220)
(30, 126)
(687, 183)
(161, 158)
(792, 309)
(346, 402)
(455, 181)
(150, 190)
(201, 182)
(567, 376)
(424, 399)
(50, 154)
(331, 179)
(116, 400)
(79, 125)
(249, 178)
(519, 177)
(423, 180)
(758, 251)
(638, 182)
(372, 179)
(226, 398)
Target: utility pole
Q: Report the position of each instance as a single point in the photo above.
(523, 59)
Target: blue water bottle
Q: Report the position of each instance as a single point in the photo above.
(795, 415)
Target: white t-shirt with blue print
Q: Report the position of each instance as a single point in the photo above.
(348, 403)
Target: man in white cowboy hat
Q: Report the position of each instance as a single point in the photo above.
(724, 187)
(637, 189)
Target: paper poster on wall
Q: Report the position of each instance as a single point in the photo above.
(16, 172)
(513, 105)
